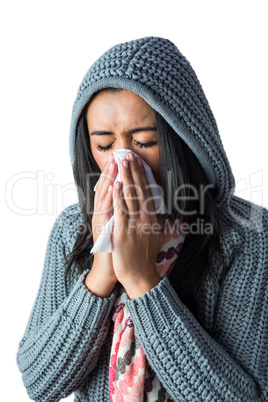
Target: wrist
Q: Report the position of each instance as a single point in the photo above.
(99, 287)
(137, 288)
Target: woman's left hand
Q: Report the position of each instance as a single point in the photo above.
(137, 236)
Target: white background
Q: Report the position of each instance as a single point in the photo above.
(46, 48)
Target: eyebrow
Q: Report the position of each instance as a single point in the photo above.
(132, 131)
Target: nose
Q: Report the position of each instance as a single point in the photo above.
(125, 143)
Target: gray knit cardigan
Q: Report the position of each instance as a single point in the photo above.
(66, 345)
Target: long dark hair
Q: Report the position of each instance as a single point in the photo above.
(202, 252)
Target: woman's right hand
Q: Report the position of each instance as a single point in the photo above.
(102, 264)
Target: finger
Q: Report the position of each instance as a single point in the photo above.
(149, 202)
(138, 183)
(103, 207)
(161, 222)
(128, 190)
(107, 177)
(120, 216)
(104, 191)
(146, 201)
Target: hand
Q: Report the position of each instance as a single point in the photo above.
(136, 236)
(103, 264)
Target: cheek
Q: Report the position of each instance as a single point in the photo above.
(99, 159)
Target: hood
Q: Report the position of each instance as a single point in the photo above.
(155, 69)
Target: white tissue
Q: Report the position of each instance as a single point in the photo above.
(103, 243)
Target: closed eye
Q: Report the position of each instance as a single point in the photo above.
(139, 144)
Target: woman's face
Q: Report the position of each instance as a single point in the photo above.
(123, 120)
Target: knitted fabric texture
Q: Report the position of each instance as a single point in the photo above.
(130, 376)
(66, 345)
(156, 70)
(67, 342)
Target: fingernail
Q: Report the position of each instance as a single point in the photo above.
(125, 163)
(111, 165)
(118, 184)
(132, 156)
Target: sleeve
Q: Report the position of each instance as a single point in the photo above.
(190, 364)
(64, 334)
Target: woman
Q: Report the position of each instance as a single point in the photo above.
(175, 313)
